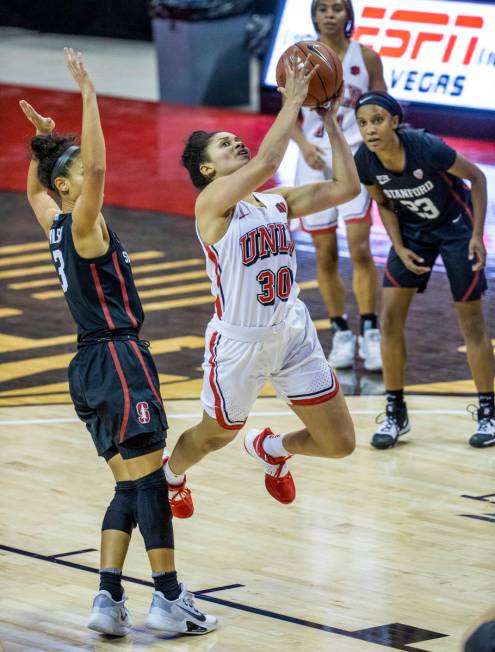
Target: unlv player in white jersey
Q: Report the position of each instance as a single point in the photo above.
(260, 328)
(334, 22)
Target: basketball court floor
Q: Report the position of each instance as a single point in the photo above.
(381, 550)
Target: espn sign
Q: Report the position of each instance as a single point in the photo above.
(433, 51)
(439, 52)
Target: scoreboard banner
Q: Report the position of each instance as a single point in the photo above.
(433, 51)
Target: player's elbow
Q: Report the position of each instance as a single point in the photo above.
(95, 170)
(350, 190)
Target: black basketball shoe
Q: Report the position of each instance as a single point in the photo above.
(485, 432)
(394, 424)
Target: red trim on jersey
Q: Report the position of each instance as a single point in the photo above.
(123, 288)
(213, 258)
(213, 384)
(317, 399)
(125, 390)
(390, 277)
(101, 296)
(472, 286)
(146, 372)
(456, 196)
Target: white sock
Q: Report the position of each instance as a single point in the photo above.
(274, 446)
(172, 478)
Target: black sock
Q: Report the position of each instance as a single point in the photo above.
(111, 581)
(339, 323)
(167, 584)
(487, 400)
(368, 320)
(395, 396)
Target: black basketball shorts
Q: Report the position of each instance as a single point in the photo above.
(450, 240)
(115, 389)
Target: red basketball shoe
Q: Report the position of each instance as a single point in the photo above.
(179, 498)
(278, 479)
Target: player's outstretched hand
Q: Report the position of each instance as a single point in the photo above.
(298, 74)
(412, 261)
(477, 253)
(43, 126)
(77, 68)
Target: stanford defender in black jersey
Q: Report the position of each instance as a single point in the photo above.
(113, 381)
(428, 210)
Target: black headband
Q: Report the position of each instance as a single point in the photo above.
(61, 162)
(380, 98)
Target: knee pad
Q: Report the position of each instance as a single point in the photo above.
(153, 511)
(121, 512)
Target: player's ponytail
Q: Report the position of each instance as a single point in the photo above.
(47, 150)
(194, 155)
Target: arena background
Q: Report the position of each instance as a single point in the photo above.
(149, 201)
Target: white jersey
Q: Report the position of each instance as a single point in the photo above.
(356, 82)
(253, 266)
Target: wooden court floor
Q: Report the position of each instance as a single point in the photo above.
(382, 550)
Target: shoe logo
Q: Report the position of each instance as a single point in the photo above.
(143, 412)
(198, 615)
(382, 179)
(418, 173)
(457, 219)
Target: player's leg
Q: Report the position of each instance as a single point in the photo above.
(306, 382)
(172, 608)
(231, 383)
(196, 442)
(395, 307)
(332, 290)
(467, 289)
(109, 613)
(364, 277)
(193, 444)
(399, 287)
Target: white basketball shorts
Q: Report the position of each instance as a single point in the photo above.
(239, 360)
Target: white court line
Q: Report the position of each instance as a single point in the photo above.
(29, 422)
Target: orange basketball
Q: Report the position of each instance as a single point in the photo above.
(326, 83)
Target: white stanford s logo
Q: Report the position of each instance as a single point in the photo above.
(143, 412)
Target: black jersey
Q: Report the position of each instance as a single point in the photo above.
(424, 194)
(100, 292)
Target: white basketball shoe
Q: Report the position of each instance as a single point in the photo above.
(369, 349)
(180, 616)
(343, 350)
(109, 616)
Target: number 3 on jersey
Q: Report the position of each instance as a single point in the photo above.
(58, 259)
(274, 285)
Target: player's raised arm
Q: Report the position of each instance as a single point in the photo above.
(223, 192)
(88, 205)
(44, 207)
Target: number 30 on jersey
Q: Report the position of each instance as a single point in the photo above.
(274, 285)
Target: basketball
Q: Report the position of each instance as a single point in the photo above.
(326, 83)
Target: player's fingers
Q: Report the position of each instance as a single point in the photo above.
(417, 269)
(308, 76)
